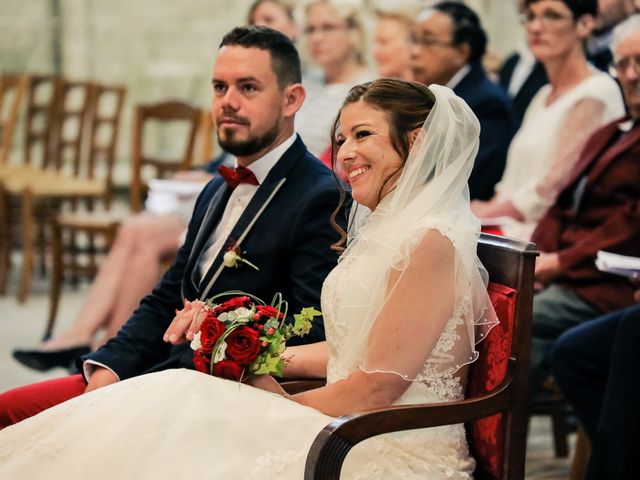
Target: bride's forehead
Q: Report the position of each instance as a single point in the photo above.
(359, 113)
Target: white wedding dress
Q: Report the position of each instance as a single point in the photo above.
(184, 424)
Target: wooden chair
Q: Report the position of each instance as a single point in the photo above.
(12, 91)
(497, 401)
(42, 95)
(100, 151)
(172, 111)
(106, 224)
(40, 196)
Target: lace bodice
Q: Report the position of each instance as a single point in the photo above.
(340, 314)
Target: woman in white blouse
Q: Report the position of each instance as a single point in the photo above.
(559, 120)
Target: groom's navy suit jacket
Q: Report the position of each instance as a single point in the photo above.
(497, 125)
(284, 230)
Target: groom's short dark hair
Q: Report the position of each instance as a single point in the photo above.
(285, 61)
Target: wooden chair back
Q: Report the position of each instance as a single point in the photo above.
(205, 139)
(40, 119)
(103, 127)
(71, 119)
(171, 111)
(510, 264)
(12, 91)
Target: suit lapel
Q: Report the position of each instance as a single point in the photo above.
(267, 191)
(621, 145)
(592, 151)
(207, 226)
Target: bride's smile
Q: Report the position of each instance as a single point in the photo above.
(366, 152)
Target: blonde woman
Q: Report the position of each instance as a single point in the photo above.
(334, 38)
(391, 48)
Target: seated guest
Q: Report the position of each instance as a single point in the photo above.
(598, 210)
(521, 75)
(610, 14)
(597, 365)
(276, 14)
(448, 44)
(560, 118)
(390, 42)
(335, 37)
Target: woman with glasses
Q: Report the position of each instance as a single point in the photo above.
(561, 117)
(334, 38)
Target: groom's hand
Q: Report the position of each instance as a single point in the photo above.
(101, 377)
(186, 322)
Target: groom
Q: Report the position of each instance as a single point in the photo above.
(274, 209)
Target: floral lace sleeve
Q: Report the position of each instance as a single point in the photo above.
(582, 120)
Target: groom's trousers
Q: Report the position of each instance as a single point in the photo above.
(24, 402)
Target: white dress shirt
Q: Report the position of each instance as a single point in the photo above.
(457, 78)
(239, 199)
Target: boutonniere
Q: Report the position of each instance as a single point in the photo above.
(232, 258)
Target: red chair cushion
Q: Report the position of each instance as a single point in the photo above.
(486, 435)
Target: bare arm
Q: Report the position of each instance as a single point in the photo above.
(306, 361)
(404, 334)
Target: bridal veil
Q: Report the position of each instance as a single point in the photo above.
(431, 195)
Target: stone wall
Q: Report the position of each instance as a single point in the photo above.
(157, 48)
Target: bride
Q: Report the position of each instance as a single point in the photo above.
(403, 311)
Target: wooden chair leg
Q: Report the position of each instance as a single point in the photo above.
(560, 433)
(28, 245)
(580, 456)
(5, 243)
(57, 276)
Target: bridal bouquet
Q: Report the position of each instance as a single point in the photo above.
(243, 335)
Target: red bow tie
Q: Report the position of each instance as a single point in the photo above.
(235, 177)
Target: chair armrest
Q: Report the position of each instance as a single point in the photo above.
(293, 386)
(333, 443)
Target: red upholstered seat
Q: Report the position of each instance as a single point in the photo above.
(486, 435)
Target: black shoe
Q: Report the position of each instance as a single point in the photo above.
(44, 360)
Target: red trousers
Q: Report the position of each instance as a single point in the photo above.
(29, 400)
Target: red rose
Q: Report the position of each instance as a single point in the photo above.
(232, 304)
(268, 311)
(201, 361)
(243, 345)
(227, 369)
(210, 331)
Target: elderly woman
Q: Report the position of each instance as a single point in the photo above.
(334, 38)
(391, 49)
(560, 118)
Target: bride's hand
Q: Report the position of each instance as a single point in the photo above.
(186, 322)
(266, 382)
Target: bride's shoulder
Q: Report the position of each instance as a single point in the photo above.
(434, 246)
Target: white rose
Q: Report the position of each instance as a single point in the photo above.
(230, 259)
(195, 343)
(220, 352)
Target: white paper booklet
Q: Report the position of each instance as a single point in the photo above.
(172, 196)
(618, 264)
(496, 221)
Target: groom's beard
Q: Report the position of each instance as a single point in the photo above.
(250, 145)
